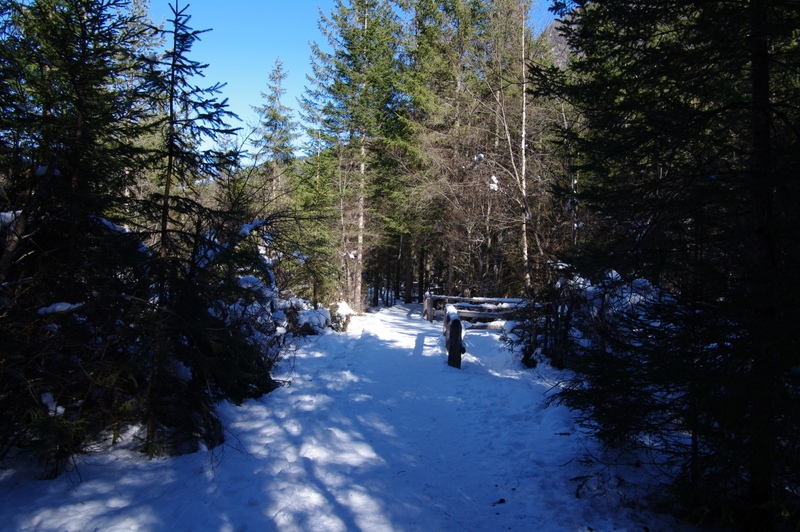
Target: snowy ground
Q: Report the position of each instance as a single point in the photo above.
(375, 433)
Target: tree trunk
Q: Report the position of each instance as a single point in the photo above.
(359, 267)
(408, 271)
(422, 277)
(524, 163)
(764, 279)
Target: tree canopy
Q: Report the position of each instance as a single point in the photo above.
(686, 142)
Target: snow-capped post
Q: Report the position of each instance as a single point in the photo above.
(452, 334)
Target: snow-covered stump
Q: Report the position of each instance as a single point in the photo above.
(452, 333)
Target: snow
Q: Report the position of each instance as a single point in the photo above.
(42, 170)
(52, 407)
(57, 308)
(451, 312)
(248, 228)
(249, 282)
(317, 319)
(343, 310)
(374, 433)
(8, 218)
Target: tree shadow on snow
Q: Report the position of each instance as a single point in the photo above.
(362, 439)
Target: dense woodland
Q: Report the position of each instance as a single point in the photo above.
(628, 171)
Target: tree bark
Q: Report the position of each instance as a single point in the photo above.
(524, 162)
(764, 277)
(359, 267)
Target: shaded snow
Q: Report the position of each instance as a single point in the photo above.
(57, 308)
(317, 319)
(374, 433)
(246, 229)
(8, 218)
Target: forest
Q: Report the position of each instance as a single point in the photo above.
(628, 171)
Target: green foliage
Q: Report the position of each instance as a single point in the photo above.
(412, 109)
(351, 110)
(118, 310)
(276, 131)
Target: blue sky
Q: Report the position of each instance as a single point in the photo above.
(246, 38)
(248, 35)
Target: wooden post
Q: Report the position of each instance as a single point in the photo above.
(452, 332)
(428, 313)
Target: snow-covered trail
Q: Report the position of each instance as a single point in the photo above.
(374, 433)
(394, 438)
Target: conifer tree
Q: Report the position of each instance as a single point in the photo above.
(64, 263)
(276, 130)
(274, 135)
(199, 251)
(439, 76)
(687, 123)
(302, 256)
(353, 95)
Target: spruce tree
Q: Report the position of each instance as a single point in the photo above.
(684, 144)
(352, 98)
(276, 130)
(65, 265)
(302, 258)
(199, 253)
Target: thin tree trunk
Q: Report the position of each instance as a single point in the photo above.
(422, 277)
(165, 207)
(524, 163)
(359, 268)
(159, 349)
(764, 276)
(408, 291)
